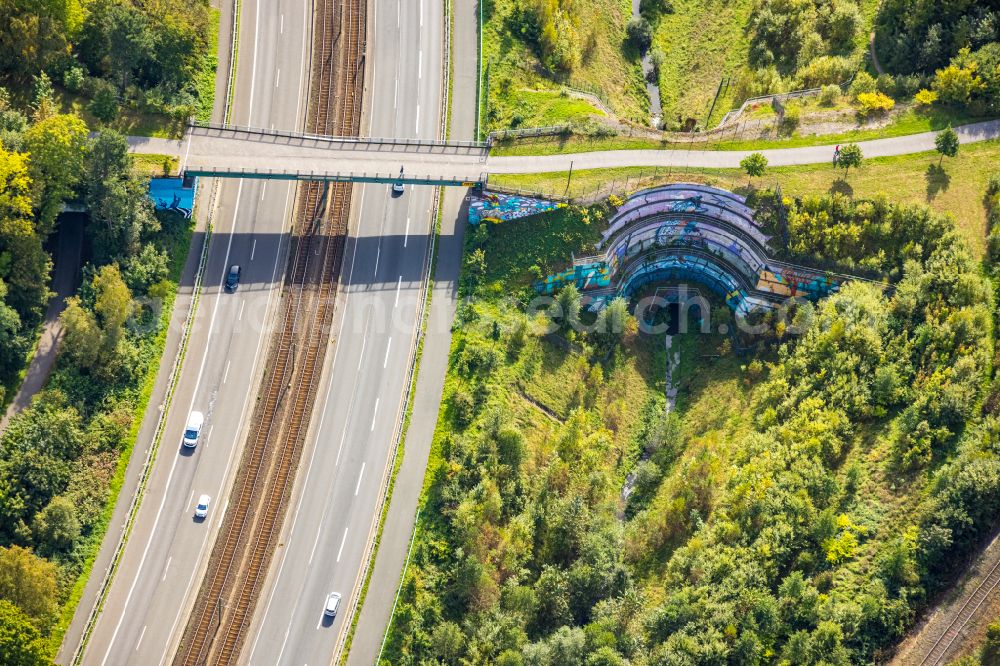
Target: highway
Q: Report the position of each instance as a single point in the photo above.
(335, 503)
(163, 561)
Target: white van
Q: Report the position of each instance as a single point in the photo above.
(193, 429)
(332, 604)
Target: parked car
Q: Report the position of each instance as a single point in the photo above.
(332, 604)
(233, 278)
(201, 511)
(193, 430)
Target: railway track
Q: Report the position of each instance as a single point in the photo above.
(248, 536)
(968, 610)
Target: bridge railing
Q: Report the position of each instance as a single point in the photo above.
(338, 176)
(358, 140)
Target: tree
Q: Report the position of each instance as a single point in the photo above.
(754, 165)
(448, 642)
(104, 101)
(640, 34)
(990, 655)
(56, 527)
(24, 264)
(29, 582)
(57, 146)
(20, 642)
(956, 85)
(82, 341)
(946, 143)
(569, 302)
(850, 156)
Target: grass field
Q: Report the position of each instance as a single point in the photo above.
(956, 188)
(906, 123)
(154, 165)
(522, 94)
(703, 41)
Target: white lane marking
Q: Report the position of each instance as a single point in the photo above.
(253, 70)
(277, 78)
(263, 189)
(173, 466)
(395, 96)
(417, 124)
(342, 542)
(281, 29)
(421, 13)
(360, 476)
(282, 650)
(420, 65)
(140, 637)
(253, 249)
(375, 413)
(243, 304)
(387, 348)
(406, 235)
(399, 283)
(364, 341)
(225, 375)
(190, 499)
(319, 530)
(398, 6)
(166, 568)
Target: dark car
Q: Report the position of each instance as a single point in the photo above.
(233, 278)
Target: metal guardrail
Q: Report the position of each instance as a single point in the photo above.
(366, 140)
(337, 177)
(794, 94)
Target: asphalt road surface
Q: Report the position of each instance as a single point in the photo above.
(335, 504)
(163, 561)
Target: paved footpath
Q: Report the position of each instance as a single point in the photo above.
(232, 151)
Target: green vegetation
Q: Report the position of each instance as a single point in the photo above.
(144, 66)
(798, 506)
(910, 121)
(532, 48)
(62, 459)
(955, 189)
(702, 44)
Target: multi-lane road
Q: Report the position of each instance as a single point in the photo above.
(161, 566)
(336, 502)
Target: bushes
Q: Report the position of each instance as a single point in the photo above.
(829, 95)
(640, 34)
(874, 104)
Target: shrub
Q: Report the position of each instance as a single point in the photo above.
(874, 104)
(862, 83)
(925, 97)
(640, 34)
(73, 78)
(824, 70)
(104, 104)
(885, 84)
(790, 119)
(828, 96)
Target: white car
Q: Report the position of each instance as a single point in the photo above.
(332, 604)
(193, 429)
(201, 510)
(397, 187)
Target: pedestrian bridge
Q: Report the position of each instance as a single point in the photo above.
(248, 152)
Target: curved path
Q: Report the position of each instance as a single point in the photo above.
(269, 156)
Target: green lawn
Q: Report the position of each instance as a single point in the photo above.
(155, 165)
(703, 41)
(521, 93)
(956, 188)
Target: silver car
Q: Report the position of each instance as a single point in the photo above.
(332, 604)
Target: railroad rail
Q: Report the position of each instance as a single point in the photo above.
(242, 553)
(968, 610)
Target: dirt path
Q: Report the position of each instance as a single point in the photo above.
(64, 279)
